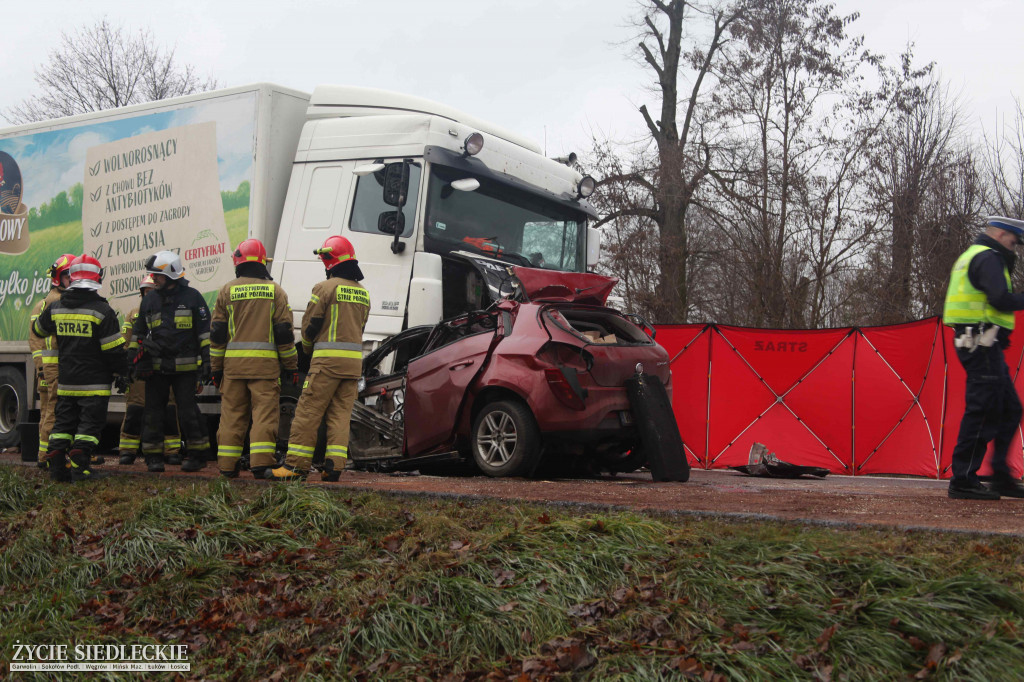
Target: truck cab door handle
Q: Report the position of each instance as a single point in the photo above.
(460, 365)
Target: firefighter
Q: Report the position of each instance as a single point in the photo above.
(44, 353)
(979, 306)
(173, 331)
(332, 328)
(131, 427)
(91, 352)
(252, 350)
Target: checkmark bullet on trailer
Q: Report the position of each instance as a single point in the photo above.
(95, 169)
(98, 252)
(96, 230)
(95, 196)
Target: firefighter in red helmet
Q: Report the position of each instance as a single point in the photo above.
(252, 349)
(332, 330)
(44, 352)
(91, 351)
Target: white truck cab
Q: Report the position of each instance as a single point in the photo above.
(408, 181)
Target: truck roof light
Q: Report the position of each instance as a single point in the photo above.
(474, 142)
(586, 186)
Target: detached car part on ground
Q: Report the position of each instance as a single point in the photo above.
(543, 370)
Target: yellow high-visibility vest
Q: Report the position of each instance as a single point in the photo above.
(965, 304)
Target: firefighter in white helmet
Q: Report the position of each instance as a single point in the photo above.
(173, 333)
(131, 426)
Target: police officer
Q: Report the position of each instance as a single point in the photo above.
(44, 353)
(91, 352)
(252, 350)
(332, 328)
(173, 330)
(131, 426)
(980, 306)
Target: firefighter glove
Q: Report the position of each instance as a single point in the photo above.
(289, 377)
(205, 373)
(121, 383)
(217, 378)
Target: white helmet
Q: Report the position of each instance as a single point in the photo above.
(165, 263)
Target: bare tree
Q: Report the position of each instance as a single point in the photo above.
(103, 67)
(800, 130)
(657, 188)
(1004, 167)
(920, 148)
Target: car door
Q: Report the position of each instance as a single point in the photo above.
(435, 385)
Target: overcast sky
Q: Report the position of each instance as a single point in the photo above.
(554, 68)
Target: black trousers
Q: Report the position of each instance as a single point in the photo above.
(992, 413)
(79, 423)
(193, 426)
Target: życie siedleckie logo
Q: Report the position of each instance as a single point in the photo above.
(14, 236)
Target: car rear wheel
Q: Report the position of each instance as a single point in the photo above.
(505, 440)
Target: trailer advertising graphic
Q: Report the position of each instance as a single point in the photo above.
(121, 188)
(156, 191)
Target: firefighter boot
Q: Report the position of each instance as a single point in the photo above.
(232, 473)
(127, 458)
(194, 461)
(174, 458)
(260, 472)
(57, 464)
(329, 472)
(154, 463)
(81, 466)
(285, 473)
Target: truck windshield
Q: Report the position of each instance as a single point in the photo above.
(502, 222)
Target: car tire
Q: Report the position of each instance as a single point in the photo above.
(13, 405)
(505, 440)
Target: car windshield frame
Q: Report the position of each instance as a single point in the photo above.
(522, 226)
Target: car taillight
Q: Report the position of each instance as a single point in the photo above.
(563, 390)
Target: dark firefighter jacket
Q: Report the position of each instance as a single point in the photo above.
(251, 335)
(89, 342)
(332, 327)
(173, 328)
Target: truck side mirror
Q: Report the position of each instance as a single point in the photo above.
(593, 246)
(391, 222)
(396, 184)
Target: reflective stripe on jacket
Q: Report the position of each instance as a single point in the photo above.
(342, 307)
(89, 342)
(175, 323)
(44, 351)
(966, 304)
(251, 333)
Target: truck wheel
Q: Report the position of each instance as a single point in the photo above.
(505, 440)
(13, 405)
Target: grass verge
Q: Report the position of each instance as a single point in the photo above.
(294, 582)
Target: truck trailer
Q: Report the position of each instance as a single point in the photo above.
(412, 183)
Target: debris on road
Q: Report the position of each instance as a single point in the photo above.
(761, 462)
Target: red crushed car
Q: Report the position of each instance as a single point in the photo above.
(542, 370)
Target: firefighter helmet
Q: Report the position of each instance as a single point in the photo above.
(165, 263)
(60, 266)
(336, 249)
(250, 251)
(147, 282)
(85, 273)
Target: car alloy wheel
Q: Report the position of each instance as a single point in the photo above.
(505, 439)
(496, 436)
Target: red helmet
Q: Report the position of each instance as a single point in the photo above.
(86, 273)
(336, 249)
(250, 251)
(58, 267)
(147, 282)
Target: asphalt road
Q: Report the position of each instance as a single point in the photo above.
(839, 500)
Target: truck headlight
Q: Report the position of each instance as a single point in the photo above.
(586, 187)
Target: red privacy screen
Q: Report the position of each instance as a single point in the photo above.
(864, 400)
